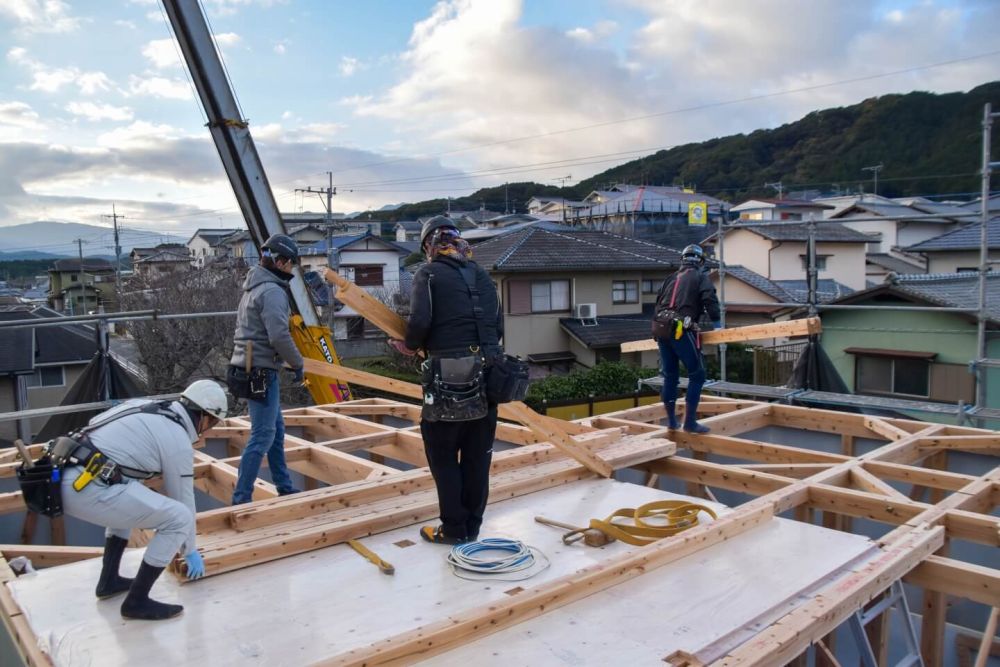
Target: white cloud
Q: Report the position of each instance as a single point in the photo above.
(40, 16)
(162, 53)
(600, 30)
(349, 65)
(129, 25)
(227, 39)
(96, 112)
(281, 47)
(138, 135)
(51, 79)
(15, 118)
(158, 86)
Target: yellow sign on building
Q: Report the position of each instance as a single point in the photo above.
(697, 213)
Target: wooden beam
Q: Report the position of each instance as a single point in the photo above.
(954, 577)
(49, 556)
(802, 327)
(752, 450)
(869, 482)
(885, 429)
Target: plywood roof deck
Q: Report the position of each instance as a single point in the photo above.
(904, 484)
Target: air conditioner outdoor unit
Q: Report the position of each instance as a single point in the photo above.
(586, 311)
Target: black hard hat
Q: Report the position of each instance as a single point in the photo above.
(437, 222)
(693, 252)
(283, 245)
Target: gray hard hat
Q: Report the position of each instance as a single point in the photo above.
(283, 245)
(437, 222)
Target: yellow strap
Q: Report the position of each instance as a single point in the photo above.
(649, 522)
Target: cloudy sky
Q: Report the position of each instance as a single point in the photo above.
(405, 100)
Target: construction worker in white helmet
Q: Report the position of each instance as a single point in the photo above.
(101, 484)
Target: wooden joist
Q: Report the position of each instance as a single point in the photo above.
(803, 327)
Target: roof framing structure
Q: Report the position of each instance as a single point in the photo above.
(347, 447)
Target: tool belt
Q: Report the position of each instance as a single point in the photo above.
(454, 387)
(41, 486)
(78, 450)
(250, 384)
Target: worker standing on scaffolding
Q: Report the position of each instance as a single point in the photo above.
(140, 439)
(682, 299)
(455, 317)
(262, 343)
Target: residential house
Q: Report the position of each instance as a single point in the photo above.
(958, 250)
(518, 221)
(907, 220)
(407, 230)
(38, 365)
(370, 262)
(652, 213)
(159, 261)
(910, 354)
(555, 207)
(204, 245)
(340, 222)
(78, 288)
(779, 210)
(778, 251)
(574, 297)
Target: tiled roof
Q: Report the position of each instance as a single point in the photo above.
(780, 203)
(609, 331)
(759, 282)
(538, 249)
(89, 264)
(16, 347)
(827, 290)
(829, 232)
(166, 255)
(963, 238)
(892, 263)
(477, 235)
(949, 290)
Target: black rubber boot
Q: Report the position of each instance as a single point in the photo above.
(137, 603)
(110, 583)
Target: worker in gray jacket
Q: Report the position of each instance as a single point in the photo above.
(262, 328)
(140, 439)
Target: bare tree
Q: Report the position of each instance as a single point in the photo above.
(173, 351)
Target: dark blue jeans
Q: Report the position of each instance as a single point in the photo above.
(267, 437)
(683, 350)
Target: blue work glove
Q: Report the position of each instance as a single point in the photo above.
(195, 565)
(716, 324)
(298, 375)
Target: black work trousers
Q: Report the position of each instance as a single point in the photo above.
(459, 455)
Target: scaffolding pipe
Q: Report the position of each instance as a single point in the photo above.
(134, 316)
(984, 252)
(851, 306)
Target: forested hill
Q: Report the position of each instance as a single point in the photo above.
(928, 144)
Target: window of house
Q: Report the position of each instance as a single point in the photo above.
(537, 296)
(820, 262)
(625, 291)
(73, 278)
(791, 216)
(368, 276)
(47, 376)
(651, 286)
(908, 376)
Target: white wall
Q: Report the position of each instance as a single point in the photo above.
(886, 227)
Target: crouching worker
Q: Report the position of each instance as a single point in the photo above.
(104, 463)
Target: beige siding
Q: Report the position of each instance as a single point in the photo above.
(747, 249)
(845, 262)
(950, 262)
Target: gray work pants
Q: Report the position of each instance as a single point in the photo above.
(122, 507)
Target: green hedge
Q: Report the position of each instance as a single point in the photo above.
(604, 379)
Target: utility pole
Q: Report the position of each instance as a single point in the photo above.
(562, 184)
(875, 169)
(506, 198)
(118, 249)
(329, 191)
(777, 185)
(83, 290)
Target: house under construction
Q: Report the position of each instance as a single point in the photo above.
(819, 515)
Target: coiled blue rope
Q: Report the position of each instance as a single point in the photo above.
(482, 558)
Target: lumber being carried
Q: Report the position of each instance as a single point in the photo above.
(548, 429)
(803, 327)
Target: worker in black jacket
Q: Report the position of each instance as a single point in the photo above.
(455, 318)
(689, 293)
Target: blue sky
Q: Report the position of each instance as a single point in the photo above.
(412, 99)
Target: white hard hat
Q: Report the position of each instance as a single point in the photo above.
(208, 397)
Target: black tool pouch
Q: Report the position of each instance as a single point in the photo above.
(664, 322)
(41, 486)
(238, 381)
(454, 389)
(506, 379)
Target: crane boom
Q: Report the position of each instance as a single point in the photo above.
(236, 148)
